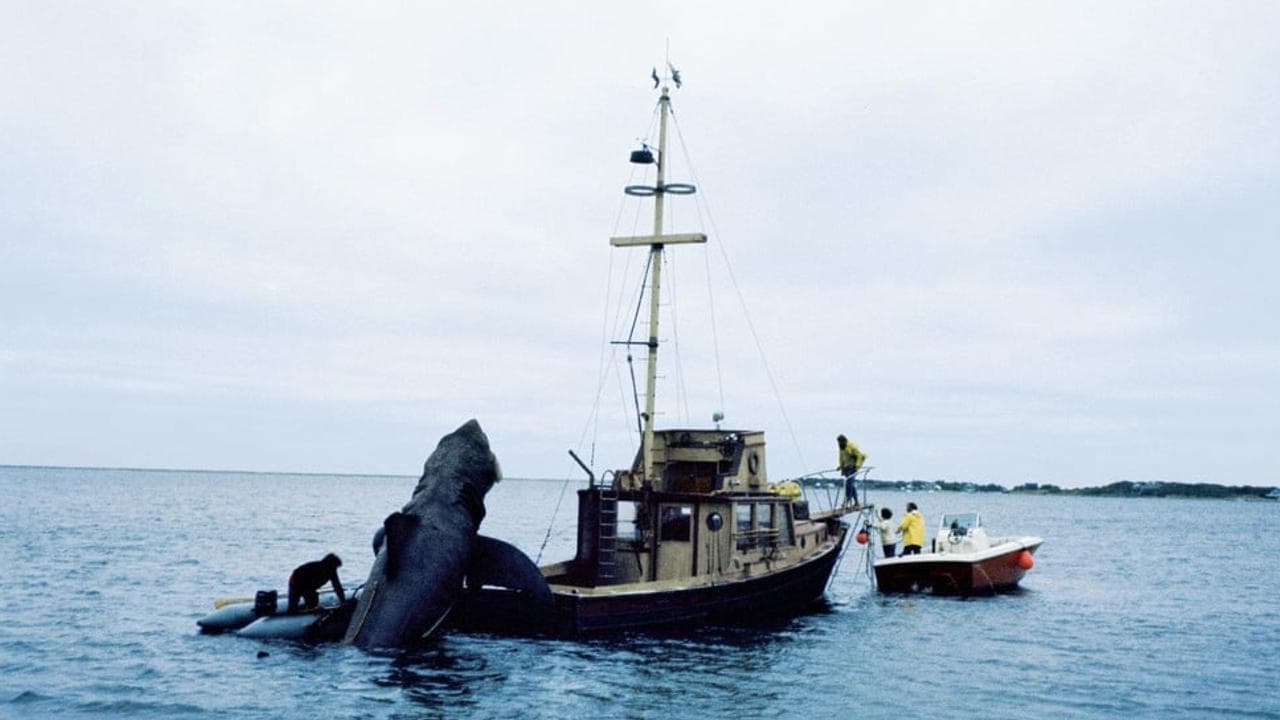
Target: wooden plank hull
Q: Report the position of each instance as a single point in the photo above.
(588, 611)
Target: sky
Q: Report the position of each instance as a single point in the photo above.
(994, 242)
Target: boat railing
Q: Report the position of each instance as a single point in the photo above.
(748, 539)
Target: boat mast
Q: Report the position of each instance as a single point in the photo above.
(656, 242)
(655, 262)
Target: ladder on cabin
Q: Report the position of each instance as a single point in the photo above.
(607, 537)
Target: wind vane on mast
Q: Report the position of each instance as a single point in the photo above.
(675, 76)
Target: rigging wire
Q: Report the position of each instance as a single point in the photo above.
(706, 257)
(550, 525)
(715, 336)
(608, 352)
(773, 383)
(635, 393)
(682, 390)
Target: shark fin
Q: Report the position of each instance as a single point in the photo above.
(494, 562)
(398, 530)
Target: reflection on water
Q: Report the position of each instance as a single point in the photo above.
(439, 678)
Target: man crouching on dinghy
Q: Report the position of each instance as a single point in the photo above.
(308, 578)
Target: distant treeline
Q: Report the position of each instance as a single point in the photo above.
(1124, 488)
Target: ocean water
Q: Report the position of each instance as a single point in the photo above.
(1136, 608)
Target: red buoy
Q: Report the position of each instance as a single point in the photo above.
(861, 537)
(1025, 561)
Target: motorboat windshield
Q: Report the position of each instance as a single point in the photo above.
(962, 522)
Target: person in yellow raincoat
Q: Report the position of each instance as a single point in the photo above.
(849, 462)
(912, 529)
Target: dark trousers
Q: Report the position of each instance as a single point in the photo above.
(850, 484)
(302, 597)
(910, 549)
(889, 548)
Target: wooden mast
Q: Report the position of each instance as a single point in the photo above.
(656, 241)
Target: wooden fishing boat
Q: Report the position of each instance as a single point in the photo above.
(691, 532)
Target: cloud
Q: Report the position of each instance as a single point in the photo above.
(1006, 243)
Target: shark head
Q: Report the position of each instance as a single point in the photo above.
(427, 546)
(460, 471)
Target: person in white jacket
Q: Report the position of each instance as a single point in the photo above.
(888, 534)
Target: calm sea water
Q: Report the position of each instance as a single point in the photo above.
(1136, 608)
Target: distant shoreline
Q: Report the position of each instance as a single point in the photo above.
(1123, 488)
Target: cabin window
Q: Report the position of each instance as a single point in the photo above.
(747, 515)
(627, 529)
(677, 522)
(744, 513)
(786, 532)
(766, 517)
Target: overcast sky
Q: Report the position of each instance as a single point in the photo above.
(998, 242)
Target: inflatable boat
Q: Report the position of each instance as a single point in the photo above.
(266, 616)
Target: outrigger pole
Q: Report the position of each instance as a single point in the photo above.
(656, 241)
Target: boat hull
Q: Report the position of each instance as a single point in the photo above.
(991, 571)
(590, 611)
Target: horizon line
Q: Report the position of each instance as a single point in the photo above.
(211, 471)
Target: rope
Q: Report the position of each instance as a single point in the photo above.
(552, 523)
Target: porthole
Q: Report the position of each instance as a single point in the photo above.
(715, 521)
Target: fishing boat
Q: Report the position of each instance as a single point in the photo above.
(691, 532)
(962, 560)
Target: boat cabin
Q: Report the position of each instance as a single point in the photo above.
(706, 512)
(700, 461)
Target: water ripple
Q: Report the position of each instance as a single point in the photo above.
(1125, 615)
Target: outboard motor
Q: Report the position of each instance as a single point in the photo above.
(264, 603)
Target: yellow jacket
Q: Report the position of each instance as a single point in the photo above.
(912, 528)
(850, 457)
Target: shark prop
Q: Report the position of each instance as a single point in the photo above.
(425, 551)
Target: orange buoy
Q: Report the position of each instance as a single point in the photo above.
(861, 537)
(1025, 561)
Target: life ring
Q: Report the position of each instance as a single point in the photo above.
(753, 463)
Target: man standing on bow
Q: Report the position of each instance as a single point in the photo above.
(850, 462)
